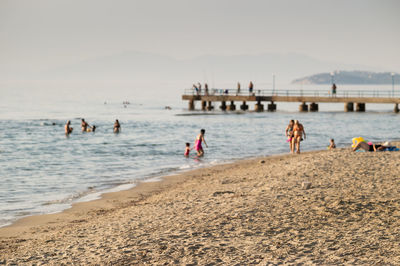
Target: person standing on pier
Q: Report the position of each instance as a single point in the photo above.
(251, 87)
(334, 89)
(196, 89)
(199, 86)
(238, 88)
(206, 89)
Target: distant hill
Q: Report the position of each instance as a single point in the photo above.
(134, 69)
(350, 77)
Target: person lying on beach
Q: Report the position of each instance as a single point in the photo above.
(68, 129)
(187, 150)
(332, 144)
(369, 147)
(197, 144)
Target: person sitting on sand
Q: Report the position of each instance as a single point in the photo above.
(187, 150)
(68, 129)
(370, 147)
(298, 133)
(332, 144)
(117, 126)
(84, 125)
(197, 144)
(289, 134)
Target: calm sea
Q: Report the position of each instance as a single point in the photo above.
(43, 171)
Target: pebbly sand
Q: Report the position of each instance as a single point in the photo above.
(249, 212)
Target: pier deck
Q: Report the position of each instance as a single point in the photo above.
(349, 98)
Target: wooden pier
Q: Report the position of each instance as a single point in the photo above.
(353, 100)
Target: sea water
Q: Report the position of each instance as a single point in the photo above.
(44, 171)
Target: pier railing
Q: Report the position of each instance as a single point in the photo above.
(301, 93)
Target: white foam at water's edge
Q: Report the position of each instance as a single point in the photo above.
(97, 195)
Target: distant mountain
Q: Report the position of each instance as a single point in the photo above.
(350, 77)
(131, 67)
(145, 67)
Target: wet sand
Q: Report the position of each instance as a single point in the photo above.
(250, 212)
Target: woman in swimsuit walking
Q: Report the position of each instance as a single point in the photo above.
(298, 133)
(289, 134)
(197, 143)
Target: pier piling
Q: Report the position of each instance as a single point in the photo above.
(191, 105)
(223, 106)
(203, 105)
(303, 107)
(313, 107)
(244, 106)
(232, 106)
(210, 106)
(360, 107)
(271, 107)
(349, 107)
(396, 108)
(259, 107)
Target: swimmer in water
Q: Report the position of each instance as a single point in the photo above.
(91, 129)
(68, 129)
(117, 126)
(84, 125)
(187, 150)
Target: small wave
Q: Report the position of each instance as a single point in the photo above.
(154, 179)
(185, 167)
(208, 114)
(72, 198)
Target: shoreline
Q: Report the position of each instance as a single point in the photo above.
(156, 177)
(36, 220)
(249, 211)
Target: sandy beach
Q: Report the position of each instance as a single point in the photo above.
(324, 207)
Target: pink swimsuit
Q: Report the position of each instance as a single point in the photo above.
(187, 152)
(197, 145)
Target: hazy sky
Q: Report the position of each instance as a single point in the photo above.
(47, 33)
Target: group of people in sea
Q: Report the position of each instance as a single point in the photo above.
(198, 89)
(295, 133)
(85, 127)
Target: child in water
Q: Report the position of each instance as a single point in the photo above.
(332, 144)
(187, 150)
